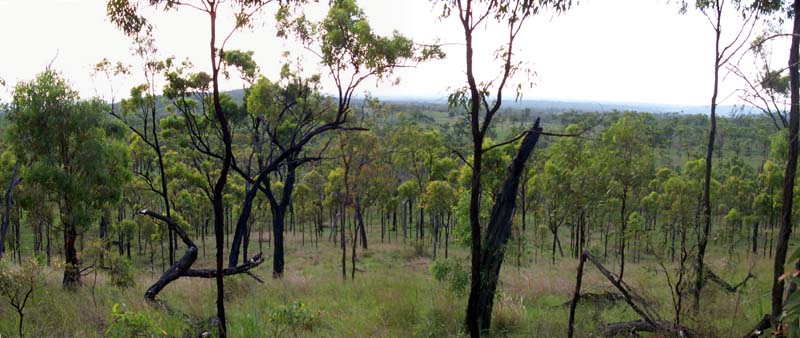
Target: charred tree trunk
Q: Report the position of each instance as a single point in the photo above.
(182, 267)
(72, 270)
(343, 243)
(361, 229)
(498, 230)
(279, 209)
(13, 182)
(623, 222)
(791, 168)
(712, 134)
(241, 223)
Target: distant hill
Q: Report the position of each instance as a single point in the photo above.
(545, 106)
(558, 106)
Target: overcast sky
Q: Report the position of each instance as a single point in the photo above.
(601, 50)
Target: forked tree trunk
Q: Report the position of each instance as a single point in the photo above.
(182, 266)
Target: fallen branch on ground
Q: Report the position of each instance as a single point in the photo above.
(713, 277)
(650, 322)
(598, 298)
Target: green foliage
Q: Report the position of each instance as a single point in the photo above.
(462, 231)
(453, 272)
(121, 272)
(132, 324)
(65, 144)
(439, 197)
(243, 62)
(18, 284)
(290, 320)
(346, 42)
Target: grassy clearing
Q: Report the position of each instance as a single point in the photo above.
(393, 295)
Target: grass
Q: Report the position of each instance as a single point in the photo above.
(393, 295)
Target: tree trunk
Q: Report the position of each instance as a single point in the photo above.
(623, 222)
(791, 168)
(13, 182)
(361, 229)
(279, 209)
(435, 234)
(712, 133)
(343, 244)
(72, 269)
(498, 230)
(241, 222)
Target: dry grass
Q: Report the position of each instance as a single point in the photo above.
(393, 295)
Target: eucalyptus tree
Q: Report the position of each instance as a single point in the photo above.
(681, 197)
(725, 53)
(440, 197)
(629, 162)
(416, 151)
(69, 147)
(408, 192)
(127, 16)
(481, 101)
(14, 179)
(316, 183)
(791, 160)
(140, 113)
(566, 190)
(357, 154)
(351, 53)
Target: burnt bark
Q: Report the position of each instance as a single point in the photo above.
(13, 182)
(498, 229)
(762, 326)
(650, 322)
(279, 209)
(182, 266)
(360, 217)
(791, 168)
(632, 328)
(72, 269)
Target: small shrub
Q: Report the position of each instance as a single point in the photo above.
(453, 273)
(129, 324)
(17, 286)
(290, 320)
(121, 272)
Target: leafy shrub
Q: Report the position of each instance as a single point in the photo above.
(121, 272)
(18, 284)
(129, 324)
(453, 273)
(290, 320)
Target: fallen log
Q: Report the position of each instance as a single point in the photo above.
(605, 298)
(650, 322)
(760, 328)
(634, 327)
(710, 276)
(182, 267)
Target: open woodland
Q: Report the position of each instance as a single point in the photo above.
(298, 206)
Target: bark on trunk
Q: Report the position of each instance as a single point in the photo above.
(182, 266)
(791, 168)
(498, 229)
(72, 269)
(13, 182)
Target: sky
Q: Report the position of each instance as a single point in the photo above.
(640, 51)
